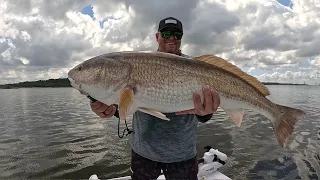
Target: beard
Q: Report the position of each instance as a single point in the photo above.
(170, 47)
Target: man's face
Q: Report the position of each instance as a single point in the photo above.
(170, 45)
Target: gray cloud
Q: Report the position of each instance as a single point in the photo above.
(58, 9)
(19, 6)
(260, 40)
(46, 8)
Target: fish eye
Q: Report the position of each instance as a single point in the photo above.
(80, 68)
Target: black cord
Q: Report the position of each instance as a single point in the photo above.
(91, 99)
(127, 129)
(117, 115)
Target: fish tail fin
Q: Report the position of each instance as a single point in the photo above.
(285, 121)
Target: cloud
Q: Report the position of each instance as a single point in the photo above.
(43, 39)
(316, 62)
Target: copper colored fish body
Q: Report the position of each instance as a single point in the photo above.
(157, 83)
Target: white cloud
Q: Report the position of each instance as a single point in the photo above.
(251, 69)
(42, 39)
(316, 62)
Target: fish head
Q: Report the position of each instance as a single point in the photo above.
(100, 77)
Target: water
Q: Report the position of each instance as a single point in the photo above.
(51, 133)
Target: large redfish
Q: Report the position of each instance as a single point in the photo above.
(157, 83)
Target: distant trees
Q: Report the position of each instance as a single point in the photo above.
(63, 82)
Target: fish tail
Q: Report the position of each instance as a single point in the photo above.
(285, 121)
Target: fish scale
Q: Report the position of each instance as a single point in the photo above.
(155, 83)
(169, 92)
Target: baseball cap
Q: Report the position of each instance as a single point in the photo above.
(170, 22)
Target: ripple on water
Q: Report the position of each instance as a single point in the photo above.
(304, 133)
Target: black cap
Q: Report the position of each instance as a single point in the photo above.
(170, 22)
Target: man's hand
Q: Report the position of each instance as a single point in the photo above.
(103, 110)
(209, 106)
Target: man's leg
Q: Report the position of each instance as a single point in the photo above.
(143, 168)
(181, 170)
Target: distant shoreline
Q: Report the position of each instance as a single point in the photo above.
(50, 83)
(64, 82)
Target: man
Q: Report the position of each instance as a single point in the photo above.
(157, 144)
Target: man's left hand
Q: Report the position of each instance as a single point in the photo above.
(209, 106)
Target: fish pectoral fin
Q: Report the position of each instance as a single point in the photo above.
(125, 102)
(236, 115)
(154, 113)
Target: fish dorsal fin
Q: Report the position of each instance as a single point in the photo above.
(219, 62)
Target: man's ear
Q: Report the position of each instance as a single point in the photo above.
(157, 36)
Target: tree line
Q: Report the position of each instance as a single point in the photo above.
(64, 82)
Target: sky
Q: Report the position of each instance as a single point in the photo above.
(275, 41)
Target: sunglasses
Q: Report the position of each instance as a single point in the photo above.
(168, 34)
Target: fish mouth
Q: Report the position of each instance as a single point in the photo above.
(77, 86)
(73, 83)
(80, 89)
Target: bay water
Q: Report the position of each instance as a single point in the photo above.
(51, 133)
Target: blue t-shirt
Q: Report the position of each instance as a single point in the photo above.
(164, 141)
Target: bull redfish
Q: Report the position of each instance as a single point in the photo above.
(157, 83)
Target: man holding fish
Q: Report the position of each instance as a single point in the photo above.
(158, 88)
(169, 146)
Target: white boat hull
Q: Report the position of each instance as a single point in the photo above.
(215, 175)
(208, 167)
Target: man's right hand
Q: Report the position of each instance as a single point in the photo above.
(103, 110)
